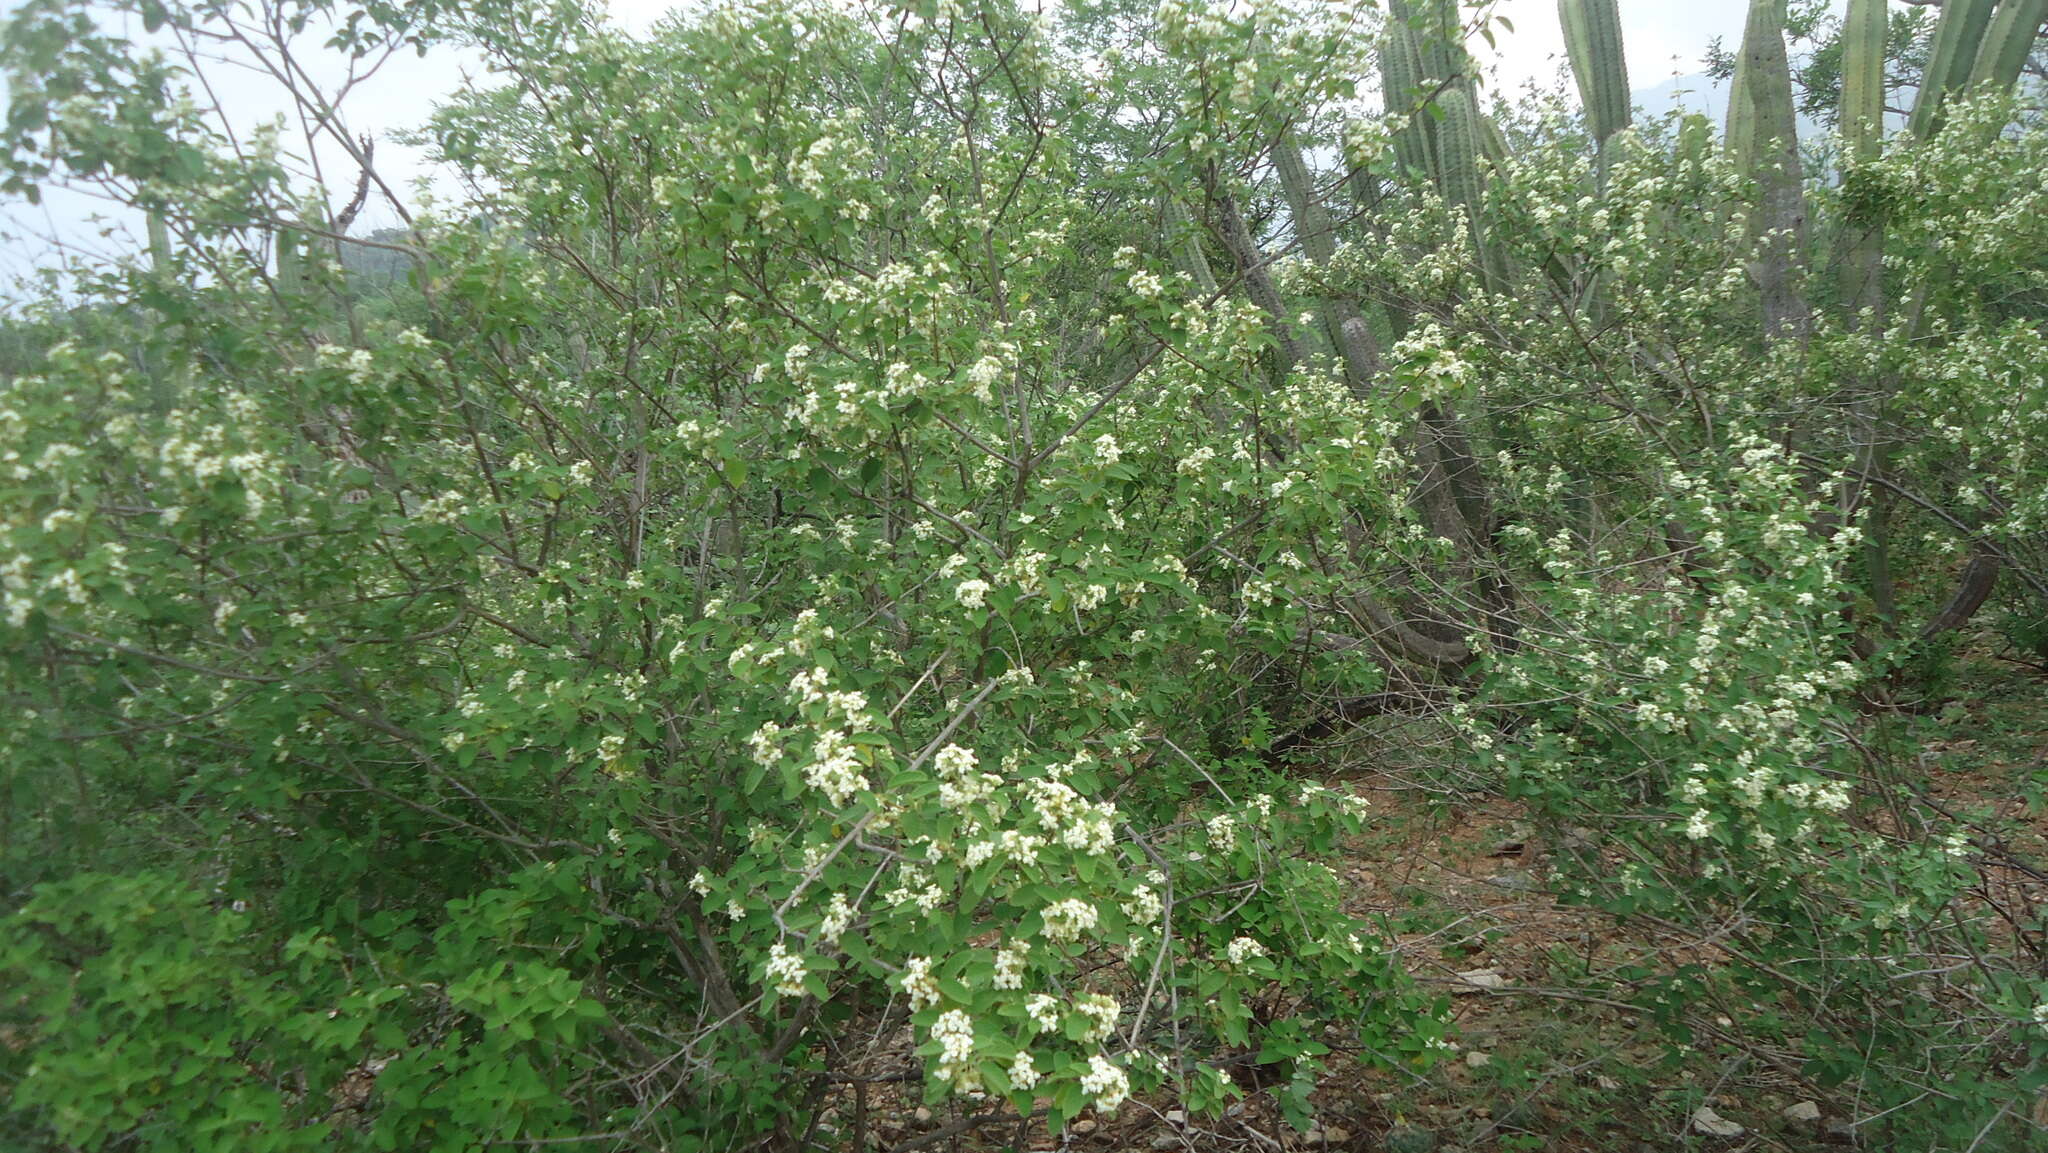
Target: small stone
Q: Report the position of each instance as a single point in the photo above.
(1176, 1117)
(1605, 1082)
(1082, 1128)
(1705, 1120)
(1477, 981)
(1478, 1060)
(1167, 1141)
(1803, 1112)
(1514, 882)
(1335, 1136)
(923, 1114)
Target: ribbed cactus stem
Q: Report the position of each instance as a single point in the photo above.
(1443, 49)
(1592, 36)
(167, 381)
(1740, 132)
(1862, 121)
(291, 268)
(1185, 245)
(1258, 281)
(159, 243)
(1401, 80)
(1458, 148)
(1343, 324)
(1949, 60)
(1772, 157)
(1311, 222)
(2007, 42)
(1863, 36)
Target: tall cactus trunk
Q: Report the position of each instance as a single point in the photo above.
(2007, 41)
(1185, 244)
(1861, 273)
(1403, 89)
(1770, 154)
(168, 375)
(291, 265)
(1343, 322)
(1862, 121)
(1970, 46)
(1950, 60)
(1592, 36)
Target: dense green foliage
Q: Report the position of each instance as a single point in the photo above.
(860, 515)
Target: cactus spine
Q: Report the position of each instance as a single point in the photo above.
(1949, 60)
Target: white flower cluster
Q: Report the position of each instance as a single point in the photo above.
(838, 918)
(1106, 1083)
(960, 784)
(835, 768)
(785, 971)
(1222, 829)
(1079, 824)
(1144, 907)
(1010, 962)
(918, 984)
(1067, 919)
(972, 594)
(1242, 949)
(1044, 1011)
(954, 1031)
(1102, 1013)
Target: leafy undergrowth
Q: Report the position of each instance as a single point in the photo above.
(1551, 1048)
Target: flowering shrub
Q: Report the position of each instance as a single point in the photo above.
(821, 559)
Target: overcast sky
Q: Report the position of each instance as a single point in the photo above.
(1663, 39)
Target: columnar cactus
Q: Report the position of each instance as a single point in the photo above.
(1185, 245)
(2007, 42)
(1950, 59)
(1592, 37)
(1863, 36)
(1764, 135)
(1401, 81)
(1342, 321)
(1862, 124)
